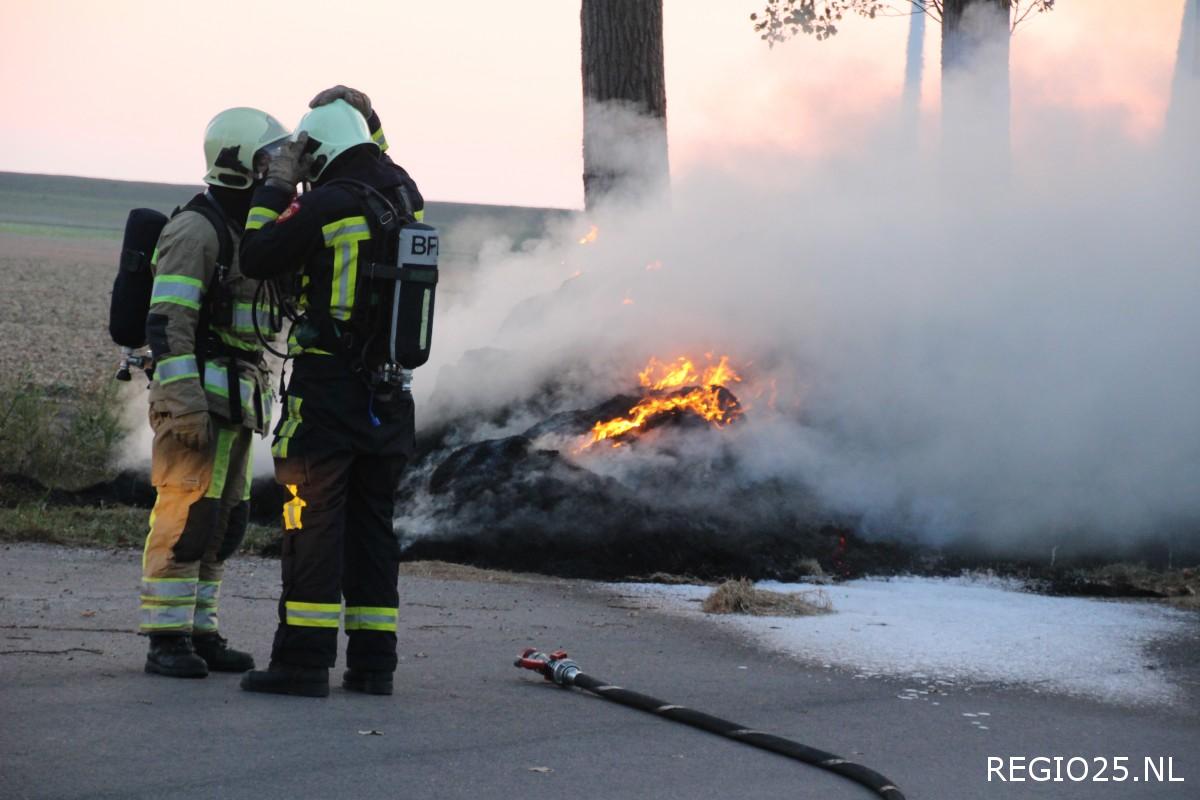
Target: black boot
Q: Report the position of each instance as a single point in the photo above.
(287, 679)
(367, 681)
(172, 655)
(219, 656)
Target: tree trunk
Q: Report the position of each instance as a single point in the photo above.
(914, 67)
(975, 87)
(624, 98)
(1185, 87)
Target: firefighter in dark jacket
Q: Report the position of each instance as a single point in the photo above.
(345, 435)
(210, 393)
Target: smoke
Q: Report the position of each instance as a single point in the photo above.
(1007, 359)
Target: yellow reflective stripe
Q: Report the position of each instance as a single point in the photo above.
(159, 617)
(378, 138)
(146, 546)
(259, 216)
(343, 236)
(423, 340)
(177, 289)
(205, 620)
(233, 341)
(248, 467)
(207, 593)
(220, 470)
(312, 615)
(419, 215)
(216, 380)
(292, 509)
(287, 428)
(371, 618)
(299, 605)
(176, 368)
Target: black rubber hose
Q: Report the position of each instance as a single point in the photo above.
(731, 730)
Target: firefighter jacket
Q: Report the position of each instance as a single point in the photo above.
(326, 232)
(197, 348)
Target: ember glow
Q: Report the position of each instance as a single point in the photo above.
(679, 388)
(591, 236)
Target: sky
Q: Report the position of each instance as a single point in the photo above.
(481, 100)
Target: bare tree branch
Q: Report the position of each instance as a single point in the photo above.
(781, 20)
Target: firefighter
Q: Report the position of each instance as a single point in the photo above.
(346, 433)
(210, 392)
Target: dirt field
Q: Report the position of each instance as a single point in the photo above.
(54, 296)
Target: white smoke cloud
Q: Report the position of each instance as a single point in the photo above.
(1011, 358)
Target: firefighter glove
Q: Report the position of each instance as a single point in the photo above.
(290, 165)
(361, 103)
(194, 431)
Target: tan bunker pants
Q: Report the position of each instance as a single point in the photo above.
(199, 520)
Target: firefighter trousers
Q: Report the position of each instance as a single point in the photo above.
(339, 543)
(339, 452)
(199, 520)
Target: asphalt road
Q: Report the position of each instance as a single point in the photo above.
(79, 718)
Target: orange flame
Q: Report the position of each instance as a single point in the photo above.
(706, 401)
(682, 372)
(591, 236)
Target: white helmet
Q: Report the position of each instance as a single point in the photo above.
(233, 139)
(332, 130)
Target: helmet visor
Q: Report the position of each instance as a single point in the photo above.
(266, 153)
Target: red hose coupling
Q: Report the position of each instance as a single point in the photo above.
(554, 667)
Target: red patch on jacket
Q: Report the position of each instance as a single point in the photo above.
(289, 211)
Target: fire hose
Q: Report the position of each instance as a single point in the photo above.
(559, 669)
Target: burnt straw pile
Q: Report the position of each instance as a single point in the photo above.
(634, 486)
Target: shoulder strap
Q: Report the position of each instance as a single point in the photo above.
(208, 208)
(383, 210)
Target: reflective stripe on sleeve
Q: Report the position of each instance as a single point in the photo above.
(312, 615)
(177, 289)
(259, 216)
(378, 138)
(419, 215)
(176, 368)
(371, 618)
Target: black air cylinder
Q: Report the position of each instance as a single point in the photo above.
(134, 281)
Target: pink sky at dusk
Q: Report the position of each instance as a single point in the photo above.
(481, 100)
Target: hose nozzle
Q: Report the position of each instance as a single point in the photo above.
(554, 667)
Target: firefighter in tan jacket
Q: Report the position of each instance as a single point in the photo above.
(210, 394)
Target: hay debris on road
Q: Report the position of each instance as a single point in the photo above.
(741, 597)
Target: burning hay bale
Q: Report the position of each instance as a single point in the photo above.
(674, 391)
(742, 597)
(638, 484)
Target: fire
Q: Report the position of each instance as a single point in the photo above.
(709, 398)
(591, 236)
(682, 372)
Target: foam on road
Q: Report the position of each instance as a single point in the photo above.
(939, 631)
